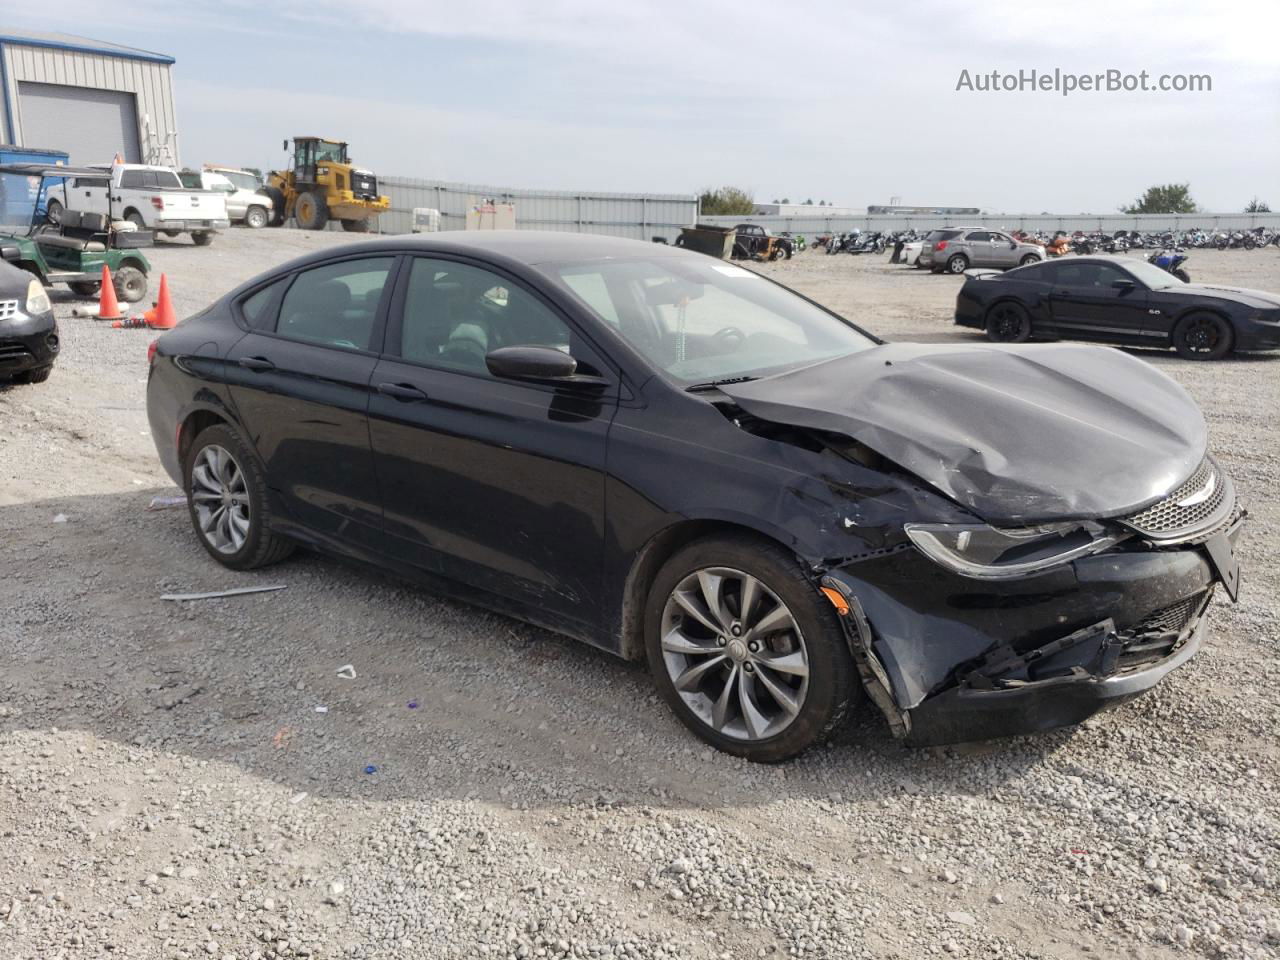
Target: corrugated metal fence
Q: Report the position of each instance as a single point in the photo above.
(1108, 223)
(634, 215)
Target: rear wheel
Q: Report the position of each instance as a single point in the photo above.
(1203, 336)
(1008, 322)
(255, 218)
(203, 238)
(355, 226)
(311, 211)
(86, 288)
(227, 497)
(134, 217)
(746, 651)
(1182, 275)
(958, 263)
(130, 284)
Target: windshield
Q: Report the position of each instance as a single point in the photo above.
(699, 320)
(1151, 275)
(18, 198)
(245, 181)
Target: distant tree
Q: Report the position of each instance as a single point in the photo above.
(1166, 198)
(774, 200)
(1257, 206)
(809, 202)
(786, 199)
(729, 201)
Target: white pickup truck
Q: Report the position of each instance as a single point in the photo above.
(239, 187)
(153, 198)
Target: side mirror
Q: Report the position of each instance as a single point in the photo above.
(530, 363)
(541, 365)
(284, 145)
(1013, 244)
(1122, 285)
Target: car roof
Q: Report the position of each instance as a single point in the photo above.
(522, 246)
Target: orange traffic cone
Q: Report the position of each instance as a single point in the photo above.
(108, 308)
(163, 317)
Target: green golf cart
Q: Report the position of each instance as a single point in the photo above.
(73, 250)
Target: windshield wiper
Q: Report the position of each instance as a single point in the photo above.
(712, 384)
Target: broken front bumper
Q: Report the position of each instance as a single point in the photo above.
(949, 659)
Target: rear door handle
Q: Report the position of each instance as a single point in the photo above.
(404, 392)
(256, 364)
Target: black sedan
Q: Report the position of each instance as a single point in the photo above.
(1118, 300)
(678, 460)
(28, 331)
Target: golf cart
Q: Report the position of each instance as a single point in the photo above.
(73, 250)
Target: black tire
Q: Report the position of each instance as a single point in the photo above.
(1029, 258)
(262, 547)
(1203, 336)
(1008, 322)
(957, 263)
(311, 211)
(53, 213)
(134, 217)
(202, 238)
(85, 288)
(130, 284)
(255, 218)
(1182, 275)
(355, 226)
(277, 205)
(832, 688)
(172, 233)
(35, 375)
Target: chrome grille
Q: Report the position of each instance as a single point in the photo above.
(1200, 505)
(8, 309)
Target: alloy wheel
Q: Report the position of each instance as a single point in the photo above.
(1201, 336)
(220, 498)
(1006, 323)
(734, 653)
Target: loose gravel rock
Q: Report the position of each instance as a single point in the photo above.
(189, 780)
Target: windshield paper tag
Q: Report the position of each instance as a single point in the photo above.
(731, 271)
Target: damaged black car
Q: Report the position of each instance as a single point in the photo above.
(678, 460)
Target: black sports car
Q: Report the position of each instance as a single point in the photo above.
(677, 459)
(1118, 300)
(28, 330)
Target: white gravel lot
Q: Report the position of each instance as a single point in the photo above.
(169, 787)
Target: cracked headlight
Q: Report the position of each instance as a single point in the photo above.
(994, 553)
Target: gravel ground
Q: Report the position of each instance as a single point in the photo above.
(195, 780)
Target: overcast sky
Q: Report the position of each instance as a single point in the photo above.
(851, 102)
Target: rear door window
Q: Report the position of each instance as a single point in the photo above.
(259, 309)
(978, 236)
(133, 179)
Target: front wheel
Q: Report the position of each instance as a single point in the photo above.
(1203, 336)
(1182, 275)
(255, 218)
(85, 288)
(1008, 323)
(311, 211)
(355, 226)
(746, 651)
(1028, 259)
(958, 264)
(227, 500)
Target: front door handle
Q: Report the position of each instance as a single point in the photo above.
(404, 392)
(257, 364)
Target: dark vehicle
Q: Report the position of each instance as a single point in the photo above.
(1118, 300)
(754, 242)
(676, 459)
(28, 331)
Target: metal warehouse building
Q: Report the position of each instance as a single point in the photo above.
(89, 98)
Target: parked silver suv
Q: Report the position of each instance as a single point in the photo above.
(956, 249)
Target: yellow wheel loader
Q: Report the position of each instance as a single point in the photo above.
(322, 186)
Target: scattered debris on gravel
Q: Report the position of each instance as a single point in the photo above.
(353, 767)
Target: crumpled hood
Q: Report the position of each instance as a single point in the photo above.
(1250, 298)
(1016, 434)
